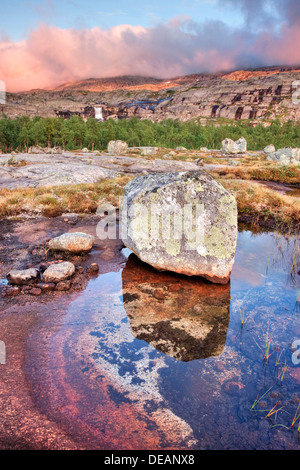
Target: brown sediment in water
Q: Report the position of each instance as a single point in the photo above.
(62, 400)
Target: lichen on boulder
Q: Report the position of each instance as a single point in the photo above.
(181, 222)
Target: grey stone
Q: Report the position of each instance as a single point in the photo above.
(22, 276)
(117, 147)
(231, 147)
(269, 149)
(148, 150)
(199, 244)
(76, 242)
(58, 272)
(54, 174)
(286, 156)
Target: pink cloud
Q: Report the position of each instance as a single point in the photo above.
(51, 56)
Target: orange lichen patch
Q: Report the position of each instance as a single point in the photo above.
(241, 75)
(161, 86)
(105, 85)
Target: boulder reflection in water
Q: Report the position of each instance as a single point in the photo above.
(186, 318)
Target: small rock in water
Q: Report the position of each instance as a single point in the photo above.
(11, 292)
(58, 272)
(46, 287)
(63, 285)
(22, 276)
(76, 242)
(93, 268)
(35, 291)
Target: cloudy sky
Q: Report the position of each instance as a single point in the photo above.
(49, 42)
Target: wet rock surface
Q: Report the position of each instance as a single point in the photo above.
(22, 276)
(77, 375)
(58, 272)
(25, 258)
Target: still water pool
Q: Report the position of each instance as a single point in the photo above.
(148, 360)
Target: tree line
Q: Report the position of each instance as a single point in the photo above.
(71, 134)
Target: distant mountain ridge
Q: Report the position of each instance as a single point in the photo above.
(257, 95)
(135, 82)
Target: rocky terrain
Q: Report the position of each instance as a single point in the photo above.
(257, 95)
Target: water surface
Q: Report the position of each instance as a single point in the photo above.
(148, 360)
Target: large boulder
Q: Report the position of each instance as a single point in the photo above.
(286, 156)
(58, 272)
(76, 242)
(117, 147)
(229, 147)
(182, 222)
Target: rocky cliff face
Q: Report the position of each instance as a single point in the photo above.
(260, 95)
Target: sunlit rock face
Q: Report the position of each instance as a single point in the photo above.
(181, 317)
(181, 222)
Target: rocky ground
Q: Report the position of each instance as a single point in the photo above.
(52, 397)
(260, 96)
(26, 170)
(25, 234)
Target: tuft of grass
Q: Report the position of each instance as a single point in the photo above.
(266, 350)
(242, 314)
(296, 418)
(260, 170)
(264, 203)
(258, 399)
(283, 372)
(273, 410)
(53, 201)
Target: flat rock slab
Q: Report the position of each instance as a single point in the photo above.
(56, 174)
(182, 222)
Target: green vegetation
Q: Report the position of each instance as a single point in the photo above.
(22, 132)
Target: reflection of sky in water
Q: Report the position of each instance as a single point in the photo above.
(263, 259)
(208, 400)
